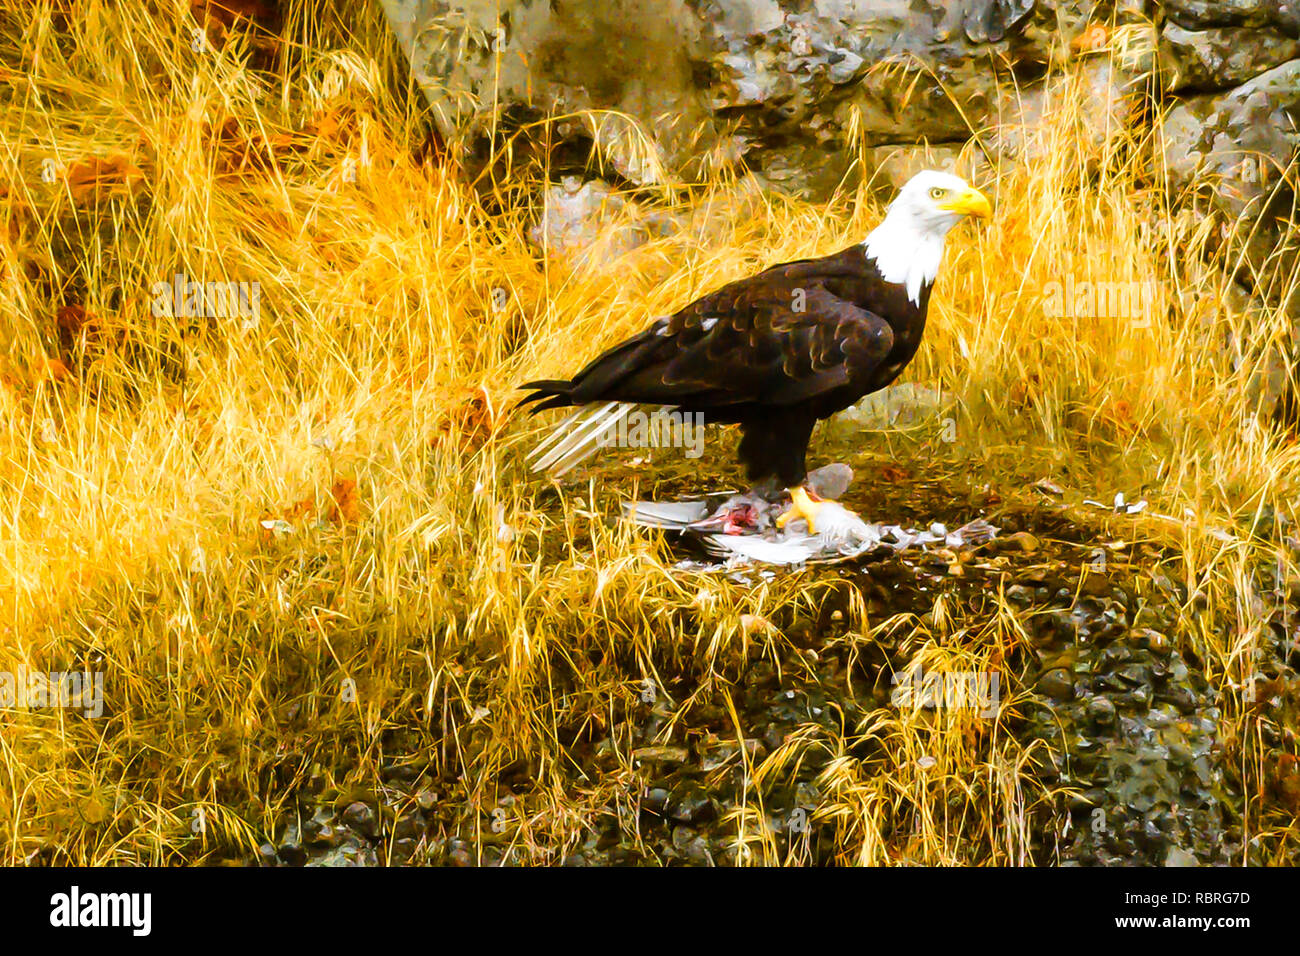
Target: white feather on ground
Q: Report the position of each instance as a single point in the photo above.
(707, 513)
(841, 534)
(676, 515)
(844, 537)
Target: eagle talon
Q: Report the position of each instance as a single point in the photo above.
(802, 505)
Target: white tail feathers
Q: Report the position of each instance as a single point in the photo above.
(676, 515)
(577, 437)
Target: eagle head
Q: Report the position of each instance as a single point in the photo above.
(934, 202)
(908, 245)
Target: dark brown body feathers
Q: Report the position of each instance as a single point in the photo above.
(773, 352)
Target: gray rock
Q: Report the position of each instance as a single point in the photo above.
(1057, 683)
(1153, 776)
(1177, 856)
(1232, 146)
(1218, 58)
(790, 92)
(351, 854)
(362, 818)
(1196, 14)
(679, 86)
(790, 96)
(1220, 136)
(690, 803)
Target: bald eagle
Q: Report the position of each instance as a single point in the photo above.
(777, 351)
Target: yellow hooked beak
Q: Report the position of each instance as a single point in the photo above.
(969, 202)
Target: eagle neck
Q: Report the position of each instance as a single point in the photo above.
(905, 253)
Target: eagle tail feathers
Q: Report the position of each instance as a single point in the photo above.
(577, 437)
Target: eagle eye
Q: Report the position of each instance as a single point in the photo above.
(938, 192)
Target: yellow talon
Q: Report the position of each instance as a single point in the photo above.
(802, 506)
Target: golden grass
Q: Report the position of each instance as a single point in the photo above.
(145, 462)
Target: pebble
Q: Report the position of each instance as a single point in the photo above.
(1019, 594)
(1057, 684)
(1020, 541)
(291, 854)
(690, 804)
(361, 817)
(1101, 711)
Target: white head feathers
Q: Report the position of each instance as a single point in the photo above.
(908, 245)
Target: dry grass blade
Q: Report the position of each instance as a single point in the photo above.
(257, 470)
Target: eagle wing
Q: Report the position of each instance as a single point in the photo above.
(779, 338)
(764, 349)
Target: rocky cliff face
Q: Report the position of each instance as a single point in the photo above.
(788, 86)
(793, 90)
(793, 87)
